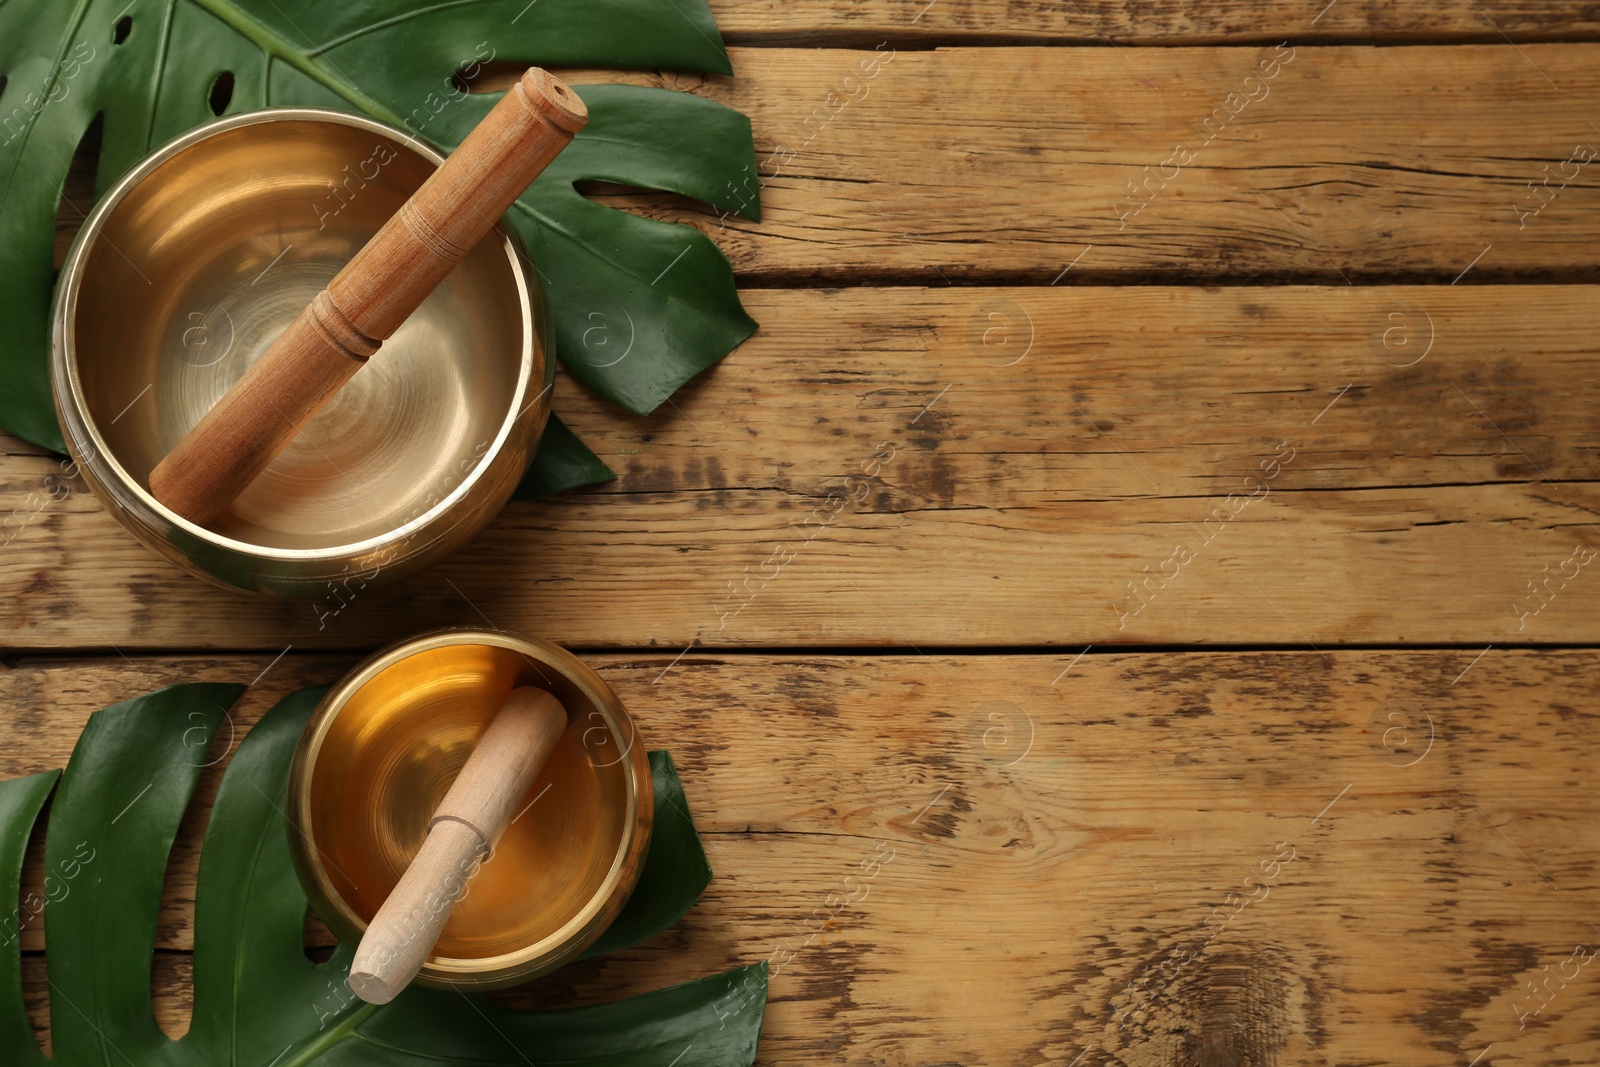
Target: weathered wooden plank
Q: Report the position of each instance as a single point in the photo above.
(1184, 163)
(1007, 164)
(1192, 162)
(1342, 465)
(1131, 22)
(989, 859)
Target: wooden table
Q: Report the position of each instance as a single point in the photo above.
(1207, 674)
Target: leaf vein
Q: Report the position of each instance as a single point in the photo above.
(49, 83)
(396, 20)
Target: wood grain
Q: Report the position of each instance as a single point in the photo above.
(1132, 22)
(1435, 453)
(870, 168)
(988, 858)
(1319, 176)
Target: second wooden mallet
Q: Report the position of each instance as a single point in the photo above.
(476, 810)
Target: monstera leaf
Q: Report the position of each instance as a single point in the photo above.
(258, 1001)
(561, 462)
(640, 306)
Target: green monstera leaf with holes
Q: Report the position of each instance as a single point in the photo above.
(258, 1000)
(640, 306)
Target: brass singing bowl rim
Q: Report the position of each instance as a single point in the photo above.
(78, 425)
(574, 936)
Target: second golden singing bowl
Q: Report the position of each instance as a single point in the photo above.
(189, 268)
(383, 747)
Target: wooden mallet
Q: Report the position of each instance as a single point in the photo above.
(467, 824)
(369, 299)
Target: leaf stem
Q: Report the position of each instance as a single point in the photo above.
(325, 1041)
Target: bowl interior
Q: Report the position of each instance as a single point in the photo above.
(393, 750)
(204, 262)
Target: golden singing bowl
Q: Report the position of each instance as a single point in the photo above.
(193, 264)
(383, 747)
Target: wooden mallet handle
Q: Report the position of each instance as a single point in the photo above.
(475, 811)
(370, 298)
